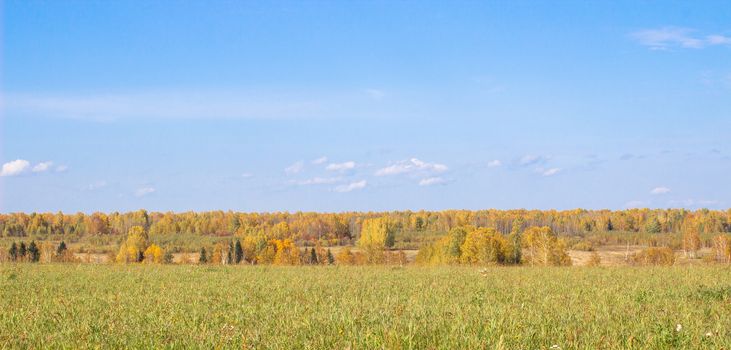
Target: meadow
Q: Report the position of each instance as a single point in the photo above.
(363, 307)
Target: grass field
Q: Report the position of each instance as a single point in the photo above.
(112, 306)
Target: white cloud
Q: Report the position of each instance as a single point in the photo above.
(671, 37)
(410, 166)
(247, 175)
(351, 186)
(530, 159)
(317, 181)
(295, 168)
(15, 167)
(718, 40)
(42, 167)
(494, 163)
(320, 160)
(141, 192)
(61, 168)
(550, 172)
(660, 190)
(97, 185)
(432, 181)
(341, 166)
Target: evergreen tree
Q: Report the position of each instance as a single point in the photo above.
(419, 224)
(238, 252)
(33, 252)
(313, 257)
(61, 248)
(140, 256)
(13, 252)
(168, 257)
(610, 226)
(653, 226)
(203, 258)
(22, 251)
(330, 257)
(230, 252)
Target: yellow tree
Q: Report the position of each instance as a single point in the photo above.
(221, 253)
(375, 236)
(542, 247)
(286, 252)
(483, 246)
(154, 254)
(691, 238)
(345, 257)
(132, 250)
(722, 248)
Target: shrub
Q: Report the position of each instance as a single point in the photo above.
(654, 256)
(594, 259)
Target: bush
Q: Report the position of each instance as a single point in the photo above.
(654, 256)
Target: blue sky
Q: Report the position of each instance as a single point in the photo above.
(378, 105)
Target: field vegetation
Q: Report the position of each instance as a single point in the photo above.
(363, 307)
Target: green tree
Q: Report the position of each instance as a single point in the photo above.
(513, 252)
(34, 254)
(238, 252)
(313, 257)
(652, 225)
(13, 252)
(419, 223)
(168, 257)
(457, 237)
(61, 248)
(203, 256)
(22, 251)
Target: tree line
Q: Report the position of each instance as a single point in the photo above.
(46, 252)
(336, 228)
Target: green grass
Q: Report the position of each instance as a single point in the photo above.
(108, 306)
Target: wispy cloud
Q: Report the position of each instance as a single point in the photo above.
(247, 175)
(358, 185)
(341, 166)
(61, 168)
(660, 190)
(166, 104)
(431, 181)
(531, 159)
(550, 172)
(317, 181)
(42, 167)
(674, 37)
(494, 163)
(97, 185)
(144, 191)
(412, 165)
(295, 168)
(15, 167)
(320, 160)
